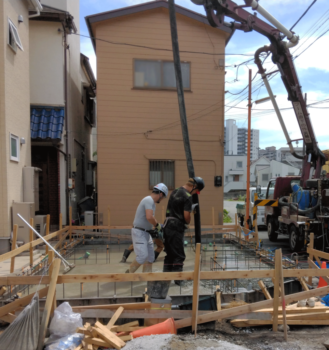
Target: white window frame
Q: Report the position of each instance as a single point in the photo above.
(12, 29)
(16, 138)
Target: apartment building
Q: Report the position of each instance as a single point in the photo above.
(236, 140)
(269, 152)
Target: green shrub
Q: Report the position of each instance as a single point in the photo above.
(227, 218)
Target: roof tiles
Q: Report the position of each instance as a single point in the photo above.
(47, 122)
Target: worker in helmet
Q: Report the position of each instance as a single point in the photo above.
(178, 217)
(144, 221)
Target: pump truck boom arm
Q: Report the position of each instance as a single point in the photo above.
(216, 10)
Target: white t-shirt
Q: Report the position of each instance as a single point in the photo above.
(140, 216)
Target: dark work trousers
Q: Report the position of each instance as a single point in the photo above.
(174, 246)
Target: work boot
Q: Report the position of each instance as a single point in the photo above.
(133, 267)
(147, 267)
(156, 254)
(126, 253)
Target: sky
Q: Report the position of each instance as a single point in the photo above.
(312, 67)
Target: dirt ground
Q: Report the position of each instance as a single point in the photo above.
(258, 338)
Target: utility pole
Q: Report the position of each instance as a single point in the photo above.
(248, 155)
(182, 112)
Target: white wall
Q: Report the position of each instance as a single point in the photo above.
(59, 4)
(46, 64)
(231, 169)
(231, 137)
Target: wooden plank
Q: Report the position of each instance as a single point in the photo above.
(163, 276)
(317, 253)
(27, 246)
(10, 318)
(283, 302)
(314, 266)
(3, 290)
(123, 327)
(240, 310)
(196, 281)
(51, 258)
(6, 309)
(296, 310)
(309, 316)
(31, 240)
(47, 231)
(303, 283)
(97, 341)
(13, 247)
(126, 337)
(48, 304)
(276, 292)
(115, 317)
(264, 290)
(108, 336)
(252, 323)
(59, 244)
(137, 314)
(128, 306)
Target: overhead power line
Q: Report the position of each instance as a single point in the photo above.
(162, 49)
(303, 15)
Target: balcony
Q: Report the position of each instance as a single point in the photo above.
(236, 172)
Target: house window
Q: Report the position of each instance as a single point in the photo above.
(89, 106)
(157, 74)
(239, 164)
(162, 171)
(236, 178)
(13, 36)
(264, 177)
(14, 148)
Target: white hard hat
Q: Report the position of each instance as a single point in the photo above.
(162, 188)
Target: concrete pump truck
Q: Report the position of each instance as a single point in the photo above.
(301, 203)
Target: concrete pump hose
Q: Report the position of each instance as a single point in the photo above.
(300, 211)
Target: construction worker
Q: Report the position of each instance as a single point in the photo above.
(157, 251)
(178, 217)
(144, 221)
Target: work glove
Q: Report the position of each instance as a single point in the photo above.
(158, 227)
(194, 207)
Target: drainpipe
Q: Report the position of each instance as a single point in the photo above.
(38, 7)
(68, 158)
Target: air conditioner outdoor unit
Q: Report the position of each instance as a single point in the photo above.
(40, 224)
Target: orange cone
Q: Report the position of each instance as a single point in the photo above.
(166, 327)
(322, 282)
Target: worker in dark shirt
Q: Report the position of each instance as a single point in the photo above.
(178, 217)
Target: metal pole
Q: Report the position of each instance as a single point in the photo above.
(182, 113)
(248, 155)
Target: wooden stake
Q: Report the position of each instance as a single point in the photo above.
(109, 220)
(31, 240)
(311, 246)
(276, 291)
(303, 283)
(51, 257)
(70, 223)
(281, 281)
(218, 299)
(264, 290)
(213, 224)
(49, 302)
(13, 247)
(196, 280)
(115, 318)
(163, 214)
(47, 231)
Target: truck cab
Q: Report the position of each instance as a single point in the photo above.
(277, 188)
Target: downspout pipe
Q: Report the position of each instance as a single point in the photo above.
(261, 71)
(38, 7)
(66, 127)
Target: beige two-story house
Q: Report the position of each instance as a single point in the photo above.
(138, 124)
